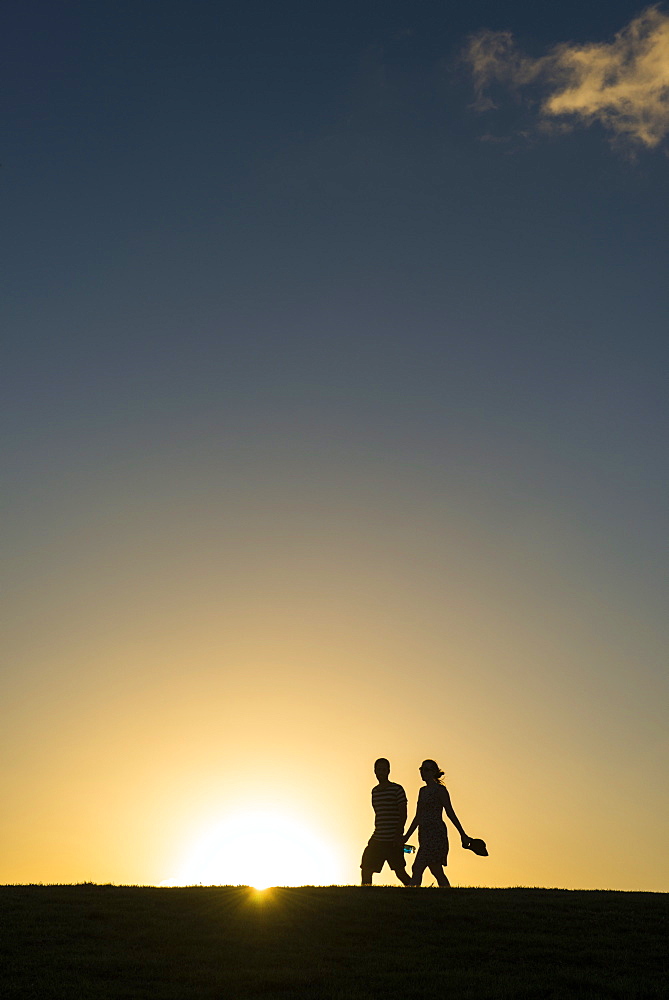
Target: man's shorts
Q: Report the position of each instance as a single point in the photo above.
(378, 852)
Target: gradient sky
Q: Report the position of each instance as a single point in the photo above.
(334, 426)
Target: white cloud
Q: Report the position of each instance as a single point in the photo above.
(623, 84)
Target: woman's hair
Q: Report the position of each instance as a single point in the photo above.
(432, 765)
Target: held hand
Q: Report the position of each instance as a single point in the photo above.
(465, 840)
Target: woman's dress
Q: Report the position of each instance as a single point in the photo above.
(432, 832)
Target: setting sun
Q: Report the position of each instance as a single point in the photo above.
(259, 849)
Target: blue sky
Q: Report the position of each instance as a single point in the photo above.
(222, 214)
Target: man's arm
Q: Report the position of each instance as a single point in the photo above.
(401, 819)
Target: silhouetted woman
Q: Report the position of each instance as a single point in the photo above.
(433, 801)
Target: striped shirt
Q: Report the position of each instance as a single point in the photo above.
(389, 804)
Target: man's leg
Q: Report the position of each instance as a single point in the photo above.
(396, 862)
(367, 865)
(403, 875)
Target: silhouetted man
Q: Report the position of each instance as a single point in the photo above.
(387, 842)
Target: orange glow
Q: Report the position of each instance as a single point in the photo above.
(265, 673)
(260, 849)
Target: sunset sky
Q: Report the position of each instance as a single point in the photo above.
(335, 424)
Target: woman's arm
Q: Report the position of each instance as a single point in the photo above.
(450, 812)
(414, 824)
(414, 821)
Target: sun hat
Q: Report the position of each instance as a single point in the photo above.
(477, 846)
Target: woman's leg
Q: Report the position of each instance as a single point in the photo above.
(440, 876)
(419, 867)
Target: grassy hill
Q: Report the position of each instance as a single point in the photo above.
(102, 942)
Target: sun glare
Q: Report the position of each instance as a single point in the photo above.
(258, 849)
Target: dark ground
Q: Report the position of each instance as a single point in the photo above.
(102, 942)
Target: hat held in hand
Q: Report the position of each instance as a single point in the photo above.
(477, 846)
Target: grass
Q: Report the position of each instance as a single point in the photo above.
(340, 943)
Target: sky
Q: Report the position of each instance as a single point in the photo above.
(334, 393)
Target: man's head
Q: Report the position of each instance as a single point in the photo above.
(382, 768)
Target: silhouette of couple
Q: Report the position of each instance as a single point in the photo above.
(386, 844)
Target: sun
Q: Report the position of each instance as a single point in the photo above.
(260, 849)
